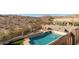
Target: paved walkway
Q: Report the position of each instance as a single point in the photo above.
(26, 41)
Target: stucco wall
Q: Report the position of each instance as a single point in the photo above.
(66, 19)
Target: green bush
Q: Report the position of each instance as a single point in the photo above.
(62, 44)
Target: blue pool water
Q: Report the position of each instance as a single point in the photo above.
(44, 39)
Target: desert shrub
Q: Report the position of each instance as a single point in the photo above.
(76, 23)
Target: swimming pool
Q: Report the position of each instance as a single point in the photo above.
(44, 39)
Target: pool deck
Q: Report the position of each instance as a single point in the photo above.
(26, 41)
(61, 28)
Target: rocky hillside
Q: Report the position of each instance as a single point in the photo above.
(13, 25)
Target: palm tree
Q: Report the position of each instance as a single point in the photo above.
(51, 20)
